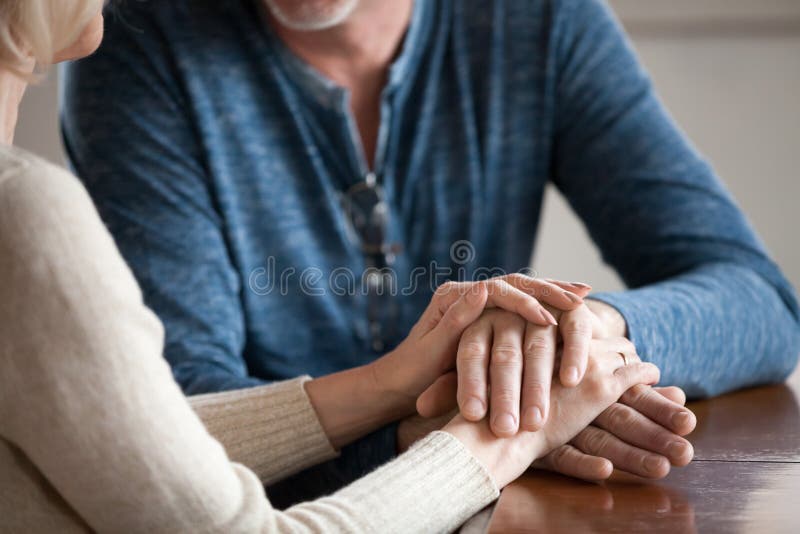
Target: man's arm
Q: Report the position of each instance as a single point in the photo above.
(707, 304)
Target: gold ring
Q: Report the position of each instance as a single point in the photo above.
(624, 358)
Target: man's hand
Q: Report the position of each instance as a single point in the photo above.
(518, 358)
(429, 351)
(641, 434)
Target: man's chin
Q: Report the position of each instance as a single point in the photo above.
(311, 15)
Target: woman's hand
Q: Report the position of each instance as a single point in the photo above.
(429, 351)
(518, 358)
(606, 379)
(519, 366)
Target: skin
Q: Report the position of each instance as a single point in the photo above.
(642, 433)
(607, 378)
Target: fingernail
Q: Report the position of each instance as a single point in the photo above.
(473, 408)
(580, 285)
(652, 464)
(505, 423)
(676, 449)
(533, 416)
(681, 420)
(571, 375)
(549, 318)
(573, 297)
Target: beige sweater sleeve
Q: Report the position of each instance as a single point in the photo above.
(88, 399)
(273, 429)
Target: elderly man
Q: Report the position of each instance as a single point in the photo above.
(245, 153)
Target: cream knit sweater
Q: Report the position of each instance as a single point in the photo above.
(96, 435)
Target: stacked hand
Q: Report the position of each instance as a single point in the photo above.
(516, 347)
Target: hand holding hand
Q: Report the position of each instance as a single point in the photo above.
(606, 379)
(429, 351)
(518, 358)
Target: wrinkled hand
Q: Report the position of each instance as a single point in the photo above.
(429, 351)
(518, 359)
(572, 409)
(640, 434)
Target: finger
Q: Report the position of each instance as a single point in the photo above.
(504, 295)
(631, 374)
(660, 409)
(505, 375)
(576, 332)
(637, 430)
(563, 298)
(472, 362)
(440, 397)
(572, 462)
(578, 287)
(445, 296)
(673, 393)
(539, 352)
(463, 312)
(625, 457)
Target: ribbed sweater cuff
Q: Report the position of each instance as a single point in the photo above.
(434, 487)
(272, 429)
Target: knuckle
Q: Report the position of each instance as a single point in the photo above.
(577, 327)
(637, 394)
(538, 345)
(472, 350)
(506, 354)
(455, 319)
(620, 416)
(595, 440)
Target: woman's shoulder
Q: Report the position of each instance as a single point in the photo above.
(17, 165)
(31, 185)
(39, 196)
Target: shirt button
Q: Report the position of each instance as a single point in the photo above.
(377, 345)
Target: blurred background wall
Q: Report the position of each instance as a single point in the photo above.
(728, 70)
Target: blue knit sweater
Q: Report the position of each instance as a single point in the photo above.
(219, 161)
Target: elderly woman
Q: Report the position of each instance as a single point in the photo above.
(96, 435)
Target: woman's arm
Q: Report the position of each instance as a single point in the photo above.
(87, 397)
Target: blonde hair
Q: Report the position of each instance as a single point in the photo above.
(41, 28)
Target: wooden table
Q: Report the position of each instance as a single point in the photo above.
(745, 478)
